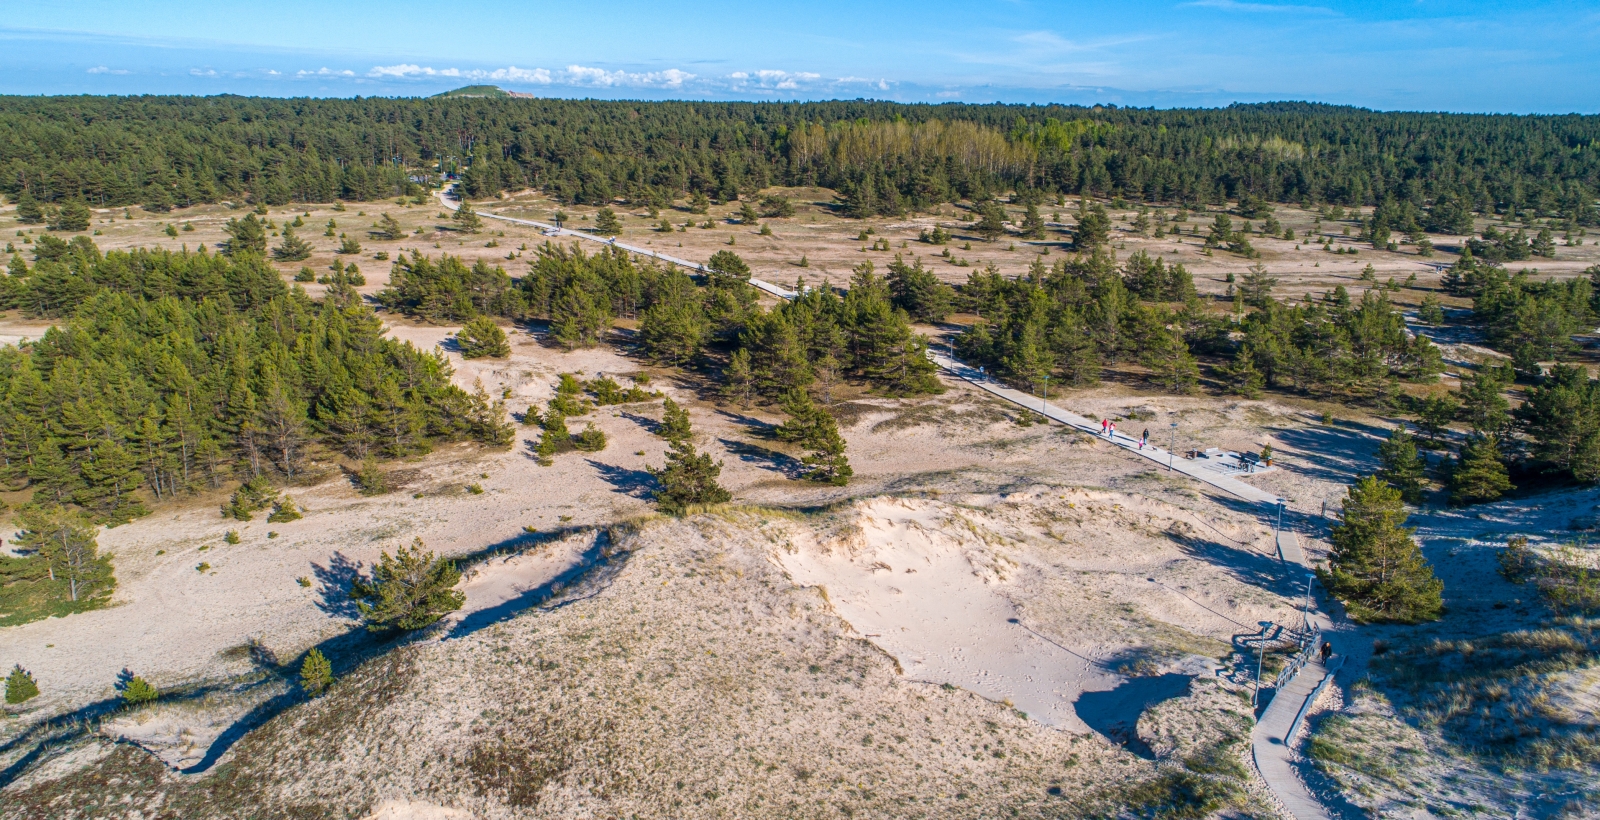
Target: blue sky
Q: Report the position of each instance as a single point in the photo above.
(1527, 57)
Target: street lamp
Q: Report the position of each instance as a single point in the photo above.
(1044, 396)
(1307, 611)
(1261, 661)
(1172, 441)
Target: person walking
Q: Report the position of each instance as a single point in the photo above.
(1113, 432)
(1103, 423)
(1144, 437)
(1327, 652)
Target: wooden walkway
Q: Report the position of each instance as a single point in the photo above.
(1188, 466)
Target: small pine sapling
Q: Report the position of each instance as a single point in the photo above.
(20, 686)
(316, 673)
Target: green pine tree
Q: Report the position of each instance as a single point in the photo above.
(1033, 223)
(1093, 229)
(1479, 473)
(674, 422)
(606, 223)
(66, 542)
(688, 479)
(291, 249)
(137, 690)
(73, 216)
(28, 210)
(245, 236)
(739, 378)
(481, 337)
(1376, 568)
(1402, 466)
(467, 220)
(991, 221)
(389, 228)
(20, 686)
(814, 428)
(407, 591)
(316, 673)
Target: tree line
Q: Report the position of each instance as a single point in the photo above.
(165, 151)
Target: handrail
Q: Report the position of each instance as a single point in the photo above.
(1308, 648)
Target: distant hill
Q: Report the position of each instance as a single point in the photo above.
(482, 91)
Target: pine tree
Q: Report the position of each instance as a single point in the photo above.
(73, 216)
(554, 437)
(1033, 224)
(674, 422)
(136, 690)
(1401, 466)
(591, 440)
(481, 337)
(747, 214)
(28, 210)
(316, 673)
(1093, 229)
(389, 228)
(1241, 374)
(1482, 404)
(729, 264)
(407, 591)
(1375, 566)
(1430, 312)
(245, 236)
(813, 428)
(991, 221)
(1256, 285)
(292, 248)
(467, 220)
(1171, 364)
(739, 378)
(688, 478)
(606, 223)
(1479, 474)
(348, 245)
(66, 542)
(20, 686)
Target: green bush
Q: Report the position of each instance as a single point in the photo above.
(481, 338)
(591, 440)
(137, 690)
(20, 686)
(408, 590)
(316, 673)
(252, 496)
(284, 511)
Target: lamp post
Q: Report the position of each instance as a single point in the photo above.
(1044, 395)
(1306, 616)
(1172, 441)
(1261, 661)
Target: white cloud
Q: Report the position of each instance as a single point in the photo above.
(509, 74)
(600, 78)
(100, 69)
(772, 79)
(203, 72)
